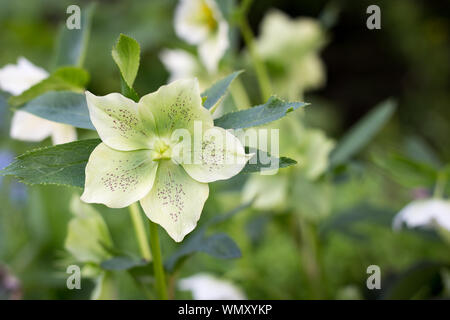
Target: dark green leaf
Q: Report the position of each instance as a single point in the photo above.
(221, 246)
(408, 172)
(264, 161)
(72, 44)
(126, 55)
(218, 89)
(62, 164)
(361, 133)
(61, 106)
(417, 280)
(218, 245)
(223, 217)
(418, 149)
(122, 263)
(272, 110)
(64, 78)
(345, 221)
(127, 91)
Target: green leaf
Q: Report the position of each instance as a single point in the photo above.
(344, 222)
(272, 110)
(122, 263)
(64, 78)
(218, 245)
(127, 91)
(213, 94)
(72, 44)
(61, 106)
(221, 246)
(61, 164)
(361, 133)
(408, 172)
(126, 55)
(262, 162)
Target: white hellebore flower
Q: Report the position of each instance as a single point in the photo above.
(424, 213)
(290, 48)
(146, 154)
(201, 23)
(207, 287)
(180, 63)
(25, 126)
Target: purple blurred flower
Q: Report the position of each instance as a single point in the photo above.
(420, 193)
(6, 157)
(10, 288)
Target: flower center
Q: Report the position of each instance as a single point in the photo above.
(161, 151)
(208, 16)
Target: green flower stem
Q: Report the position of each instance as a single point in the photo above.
(139, 229)
(258, 64)
(239, 95)
(309, 247)
(157, 262)
(440, 185)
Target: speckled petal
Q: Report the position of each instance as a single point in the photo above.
(175, 106)
(117, 122)
(220, 157)
(118, 178)
(175, 201)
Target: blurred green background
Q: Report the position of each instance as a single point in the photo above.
(408, 60)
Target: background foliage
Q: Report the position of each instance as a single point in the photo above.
(367, 183)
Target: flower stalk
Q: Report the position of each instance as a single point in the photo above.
(258, 64)
(139, 230)
(158, 268)
(440, 185)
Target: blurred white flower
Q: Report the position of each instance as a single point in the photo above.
(310, 148)
(17, 78)
(200, 23)
(282, 36)
(290, 48)
(183, 65)
(424, 213)
(207, 287)
(267, 192)
(180, 63)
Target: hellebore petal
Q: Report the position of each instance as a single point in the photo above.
(16, 78)
(424, 213)
(175, 106)
(283, 38)
(175, 201)
(208, 287)
(28, 127)
(220, 157)
(268, 192)
(117, 122)
(88, 236)
(63, 133)
(25, 126)
(118, 178)
(201, 23)
(180, 63)
(195, 20)
(211, 50)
